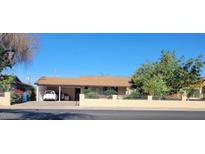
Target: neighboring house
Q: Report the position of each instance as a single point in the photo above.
(74, 86)
(18, 86)
(199, 91)
(203, 89)
(10, 83)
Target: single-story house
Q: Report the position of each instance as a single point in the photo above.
(16, 85)
(74, 86)
(199, 89)
(11, 83)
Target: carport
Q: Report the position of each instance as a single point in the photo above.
(62, 86)
(70, 93)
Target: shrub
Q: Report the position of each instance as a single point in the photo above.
(1, 88)
(32, 95)
(16, 98)
(90, 93)
(88, 90)
(133, 95)
(111, 91)
(190, 92)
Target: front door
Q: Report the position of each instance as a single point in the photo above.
(77, 94)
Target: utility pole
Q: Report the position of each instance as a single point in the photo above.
(55, 72)
(29, 79)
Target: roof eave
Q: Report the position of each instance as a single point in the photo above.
(79, 85)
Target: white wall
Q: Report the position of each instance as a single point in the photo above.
(41, 92)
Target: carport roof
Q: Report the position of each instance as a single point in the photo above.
(98, 81)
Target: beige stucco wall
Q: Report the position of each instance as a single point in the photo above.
(6, 99)
(141, 103)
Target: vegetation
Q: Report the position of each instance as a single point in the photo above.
(6, 81)
(133, 95)
(16, 48)
(90, 93)
(16, 98)
(110, 91)
(168, 75)
(156, 86)
(190, 92)
(32, 94)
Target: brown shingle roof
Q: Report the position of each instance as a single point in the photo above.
(203, 82)
(108, 81)
(200, 83)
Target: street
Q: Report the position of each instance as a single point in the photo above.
(69, 114)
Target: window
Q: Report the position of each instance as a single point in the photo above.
(195, 93)
(1, 91)
(106, 88)
(203, 91)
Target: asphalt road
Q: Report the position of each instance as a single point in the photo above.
(16, 114)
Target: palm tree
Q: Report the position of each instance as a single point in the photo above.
(16, 48)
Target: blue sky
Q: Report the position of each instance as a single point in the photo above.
(72, 55)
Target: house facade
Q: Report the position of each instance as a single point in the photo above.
(16, 86)
(199, 92)
(12, 90)
(72, 87)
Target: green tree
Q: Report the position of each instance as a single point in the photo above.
(176, 73)
(166, 67)
(6, 81)
(142, 75)
(156, 86)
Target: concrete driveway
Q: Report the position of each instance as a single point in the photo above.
(44, 105)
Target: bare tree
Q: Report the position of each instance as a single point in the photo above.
(22, 46)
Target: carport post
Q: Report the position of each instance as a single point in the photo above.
(37, 93)
(59, 93)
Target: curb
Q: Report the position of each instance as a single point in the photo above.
(97, 108)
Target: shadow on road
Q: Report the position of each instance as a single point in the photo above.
(12, 114)
(41, 115)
